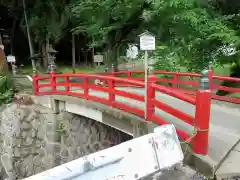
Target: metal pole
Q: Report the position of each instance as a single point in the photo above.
(146, 80)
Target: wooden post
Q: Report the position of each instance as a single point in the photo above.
(150, 97)
(35, 85)
(85, 87)
(67, 81)
(53, 81)
(111, 87)
(175, 81)
(202, 118)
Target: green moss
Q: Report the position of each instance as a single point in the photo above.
(62, 130)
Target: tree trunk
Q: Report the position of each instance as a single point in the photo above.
(12, 34)
(73, 54)
(79, 51)
(44, 53)
(47, 49)
(92, 57)
(29, 36)
(111, 58)
(85, 57)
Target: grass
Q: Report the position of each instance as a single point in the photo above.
(65, 69)
(222, 71)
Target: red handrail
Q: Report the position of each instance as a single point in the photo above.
(200, 122)
(188, 86)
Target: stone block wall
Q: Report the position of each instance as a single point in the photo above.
(34, 139)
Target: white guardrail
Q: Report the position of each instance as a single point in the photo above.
(134, 159)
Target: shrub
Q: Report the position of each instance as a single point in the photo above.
(6, 89)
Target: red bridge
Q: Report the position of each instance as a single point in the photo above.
(207, 129)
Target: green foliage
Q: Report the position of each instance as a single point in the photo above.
(192, 34)
(6, 90)
(62, 129)
(191, 31)
(104, 21)
(48, 19)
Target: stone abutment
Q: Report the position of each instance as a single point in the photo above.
(34, 138)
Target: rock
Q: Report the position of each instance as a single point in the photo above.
(67, 141)
(7, 163)
(27, 133)
(72, 151)
(16, 153)
(52, 137)
(27, 161)
(37, 160)
(39, 143)
(52, 148)
(40, 151)
(40, 133)
(39, 169)
(27, 142)
(25, 126)
(64, 152)
(22, 171)
(25, 151)
(36, 124)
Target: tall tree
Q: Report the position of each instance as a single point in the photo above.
(29, 36)
(48, 22)
(108, 22)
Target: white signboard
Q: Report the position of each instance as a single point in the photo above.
(132, 51)
(98, 58)
(11, 59)
(147, 42)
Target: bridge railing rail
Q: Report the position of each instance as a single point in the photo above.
(186, 82)
(85, 88)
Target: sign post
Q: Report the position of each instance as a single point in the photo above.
(98, 59)
(147, 43)
(11, 59)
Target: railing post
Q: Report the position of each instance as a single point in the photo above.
(175, 81)
(111, 87)
(67, 81)
(85, 87)
(150, 96)
(129, 75)
(202, 116)
(53, 81)
(53, 78)
(35, 84)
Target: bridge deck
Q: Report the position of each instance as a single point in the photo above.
(224, 126)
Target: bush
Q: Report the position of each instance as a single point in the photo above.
(6, 89)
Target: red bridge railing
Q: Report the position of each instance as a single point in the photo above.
(64, 84)
(177, 80)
